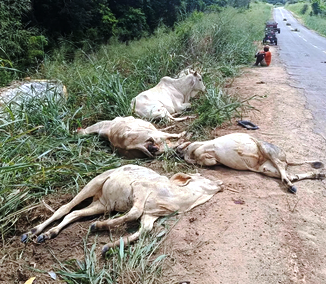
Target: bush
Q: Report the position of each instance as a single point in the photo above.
(304, 9)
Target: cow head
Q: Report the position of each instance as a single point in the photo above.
(159, 147)
(182, 149)
(197, 182)
(197, 84)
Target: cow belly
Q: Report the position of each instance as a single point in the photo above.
(242, 155)
(118, 190)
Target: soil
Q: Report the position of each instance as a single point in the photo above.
(253, 232)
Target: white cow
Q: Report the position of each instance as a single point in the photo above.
(137, 190)
(133, 138)
(243, 152)
(169, 97)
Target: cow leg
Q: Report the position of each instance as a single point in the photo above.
(147, 223)
(167, 128)
(314, 164)
(183, 107)
(182, 118)
(276, 170)
(90, 190)
(133, 214)
(164, 113)
(93, 209)
(309, 175)
(277, 157)
(268, 169)
(207, 159)
(164, 136)
(284, 176)
(100, 127)
(280, 166)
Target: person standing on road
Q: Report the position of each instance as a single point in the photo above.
(264, 57)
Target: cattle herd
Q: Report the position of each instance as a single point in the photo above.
(143, 193)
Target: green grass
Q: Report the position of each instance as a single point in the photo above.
(316, 23)
(139, 263)
(41, 154)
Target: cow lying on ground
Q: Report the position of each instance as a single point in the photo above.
(142, 192)
(133, 138)
(168, 98)
(243, 152)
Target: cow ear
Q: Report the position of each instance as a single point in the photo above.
(180, 179)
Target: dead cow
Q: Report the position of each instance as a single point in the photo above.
(142, 192)
(134, 138)
(169, 97)
(243, 152)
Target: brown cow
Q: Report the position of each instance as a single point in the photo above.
(142, 192)
(133, 138)
(241, 151)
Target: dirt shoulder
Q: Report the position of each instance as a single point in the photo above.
(261, 233)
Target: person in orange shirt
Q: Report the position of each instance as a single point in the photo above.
(264, 57)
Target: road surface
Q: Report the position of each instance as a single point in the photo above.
(304, 54)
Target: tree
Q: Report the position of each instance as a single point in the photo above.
(20, 46)
(316, 6)
(74, 18)
(132, 25)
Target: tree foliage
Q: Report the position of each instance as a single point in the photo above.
(30, 28)
(20, 45)
(318, 7)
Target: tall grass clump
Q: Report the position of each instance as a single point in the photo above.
(314, 22)
(140, 263)
(217, 106)
(40, 154)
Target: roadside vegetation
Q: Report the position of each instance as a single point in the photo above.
(41, 153)
(312, 14)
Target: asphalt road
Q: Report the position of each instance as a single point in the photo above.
(304, 54)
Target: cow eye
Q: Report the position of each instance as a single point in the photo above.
(199, 79)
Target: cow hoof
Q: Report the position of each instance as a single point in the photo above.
(293, 189)
(24, 238)
(40, 239)
(93, 227)
(317, 165)
(104, 250)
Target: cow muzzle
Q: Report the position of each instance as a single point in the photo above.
(181, 149)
